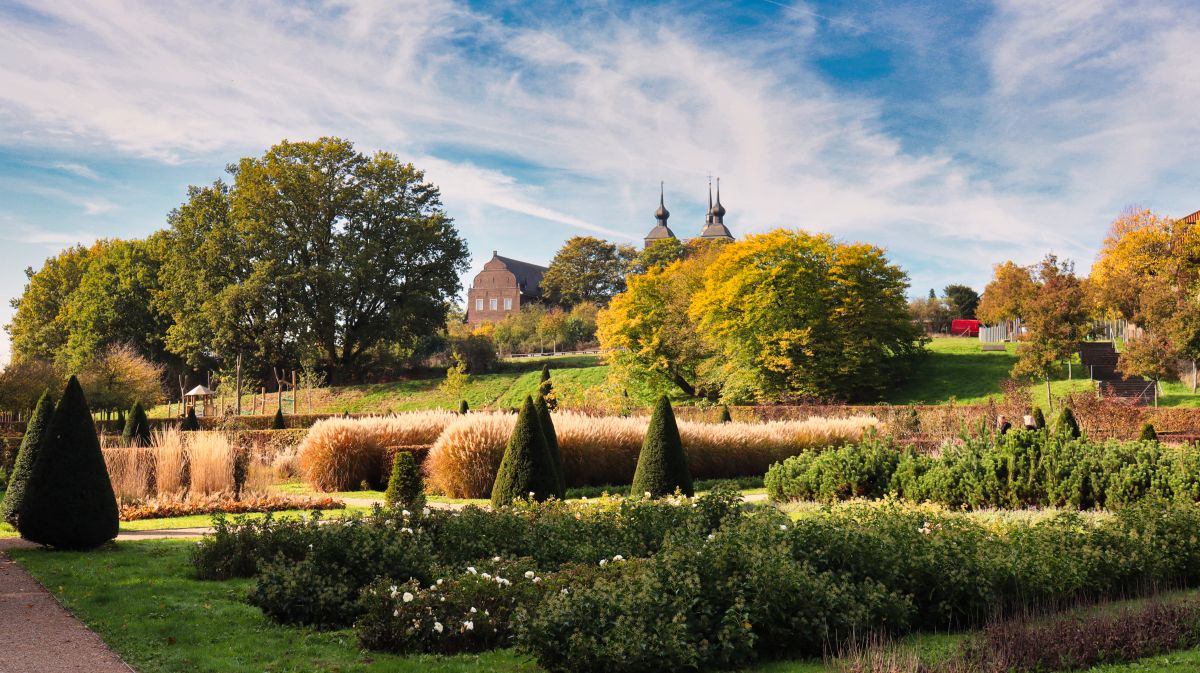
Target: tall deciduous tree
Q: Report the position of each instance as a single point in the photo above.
(118, 377)
(1008, 295)
(792, 313)
(327, 249)
(587, 268)
(1056, 319)
(38, 328)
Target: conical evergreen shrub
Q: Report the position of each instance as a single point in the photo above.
(190, 422)
(1039, 419)
(1066, 424)
(662, 465)
(278, 423)
(463, 408)
(69, 501)
(548, 430)
(1148, 433)
(31, 443)
(546, 389)
(120, 426)
(525, 468)
(406, 488)
(726, 417)
(137, 427)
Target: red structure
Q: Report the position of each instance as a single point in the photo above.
(961, 327)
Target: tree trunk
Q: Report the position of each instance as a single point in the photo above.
(1049, 398)
(684, 385)
(1193, 377)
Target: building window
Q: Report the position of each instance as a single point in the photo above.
(508, 303)
(478, 304)
(492, 304)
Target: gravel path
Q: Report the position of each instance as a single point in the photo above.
(37, 635)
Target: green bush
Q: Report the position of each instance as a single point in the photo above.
(406, 488)
(120, 425)
(1039, 419)
(463, 407)
(525, 470)
(69, 501)
(278, 423)
(137, 427)
(662, 465)
(726, 417)
(35, 433)
(853, 471)
(1148, 433)
(1066, 424)
(190, 422)
(547, 423)
(546, 389)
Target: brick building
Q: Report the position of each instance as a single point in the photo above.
(503, 287)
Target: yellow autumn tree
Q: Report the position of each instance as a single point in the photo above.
(1009, 294)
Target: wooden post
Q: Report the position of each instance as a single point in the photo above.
(294, 393)
(238, 405)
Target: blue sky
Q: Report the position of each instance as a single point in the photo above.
(957, 135)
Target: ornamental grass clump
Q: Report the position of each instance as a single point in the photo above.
(69, 501)
(526, 469)
(31, 444)
(662, 466)
(338, 454)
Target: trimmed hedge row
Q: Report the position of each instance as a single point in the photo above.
(637, 585)
(1018, 469)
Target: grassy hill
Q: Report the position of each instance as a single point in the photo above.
(956, 370)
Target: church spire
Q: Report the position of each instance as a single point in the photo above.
(660, 230)
(714, 222)
(708, 214)
(718, 211)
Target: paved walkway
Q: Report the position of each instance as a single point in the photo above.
(37, 635)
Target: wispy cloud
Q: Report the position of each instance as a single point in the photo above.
(76, 169)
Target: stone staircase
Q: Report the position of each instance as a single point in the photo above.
(1100, 359)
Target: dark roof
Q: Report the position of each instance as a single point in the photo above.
(529, 276)
(1193, 218)
(716, 230)
(660, 232)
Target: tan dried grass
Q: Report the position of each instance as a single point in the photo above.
(604, 450)
(210, 463)
(129, 471)
(340, 453)
(170, 456)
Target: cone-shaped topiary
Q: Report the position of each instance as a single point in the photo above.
(69, 501)
(190, 422)
(463, 408)
(548, 430)
(1039, 419)
(31, 443)
(726, 417)
(278, 423)
(1148, 433)
(120, 426)
(1066, 424)
(406, 488)
(662, 465)
(137, 427)
(546, 389)
(525, 468)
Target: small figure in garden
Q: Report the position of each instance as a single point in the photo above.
(1002, 425)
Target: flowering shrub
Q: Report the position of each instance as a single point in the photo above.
(1019, 469)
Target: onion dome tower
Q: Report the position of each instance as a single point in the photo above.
(661, 230)
(714, 222)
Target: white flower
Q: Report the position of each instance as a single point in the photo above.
(425, 512)
(470, 625)
(536, 580)
(406, 530)
(603, 562)
(583, 497)
(396, 613)
(711, 537)
(405, 512)
(647, 494)
(782, 526)
(495, 559)
(407, 597)
(486, 576)
(442, 599)
(565, 592)
(437, 626)
(439, 582)
(618, 557)
(471, 569)
(310, 547)
(473, 610)
(529, 574)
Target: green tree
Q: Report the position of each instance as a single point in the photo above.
(525, 470)
(726, 417)
(1066, 425)
(547, 424)
(137, 427)
(23, 382)
(278, 423)
(464, 408)
(1151, 356)
(587, 268)
(962, 300)
(1056, 318)
(31, 443)
(329, 250)
(406, 488)
(932, 314)
(799, 314)
(1039, 418)
(545, 389)
(38, 328)
(118, 376)
(662, 465)
(1008, 295)
(69, 501)
(660, 253)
